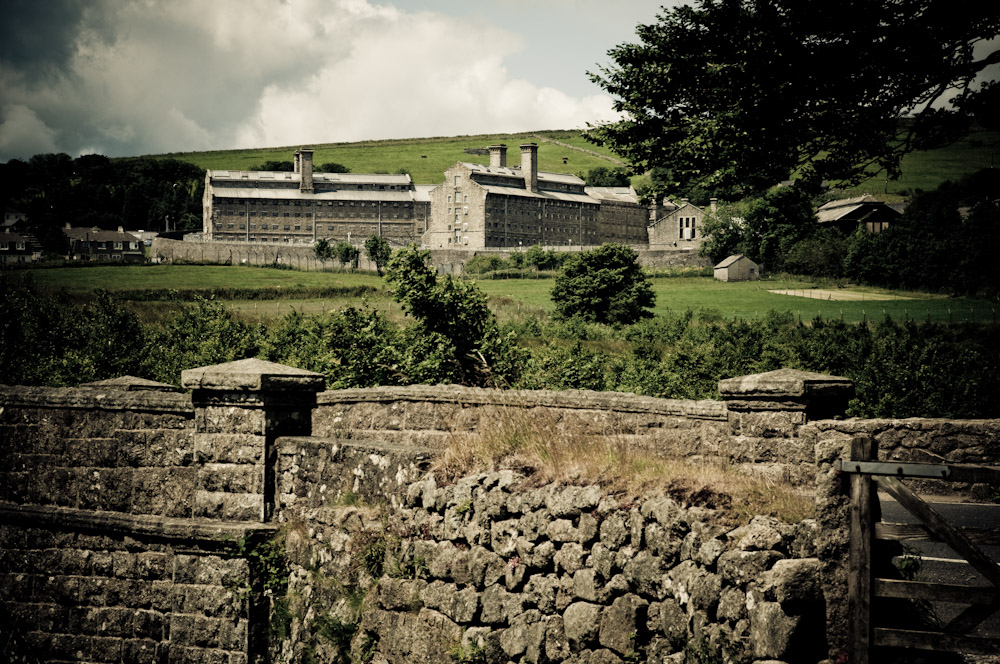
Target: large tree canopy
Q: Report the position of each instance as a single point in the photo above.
(744, 93)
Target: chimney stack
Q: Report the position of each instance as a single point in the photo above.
(713, 203)
(295, 162)
(498, 156)
(306, 170)
(529, 165)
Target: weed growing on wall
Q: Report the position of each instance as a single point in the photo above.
(552, 450)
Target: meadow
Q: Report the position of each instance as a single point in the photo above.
(266, 294)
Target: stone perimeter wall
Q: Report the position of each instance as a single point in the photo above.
(128, 519)
(449, 261)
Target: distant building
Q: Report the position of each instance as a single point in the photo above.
(737, 268)
(97, 244)
(17, 247)
(301, 207)
(498, 206)
(679, 226)
(868, 212)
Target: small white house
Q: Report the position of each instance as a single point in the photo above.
(737, 268)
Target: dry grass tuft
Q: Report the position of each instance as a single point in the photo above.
(547, 449)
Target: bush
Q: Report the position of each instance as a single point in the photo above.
(604, 285)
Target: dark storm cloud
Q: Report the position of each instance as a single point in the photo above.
(37, 37)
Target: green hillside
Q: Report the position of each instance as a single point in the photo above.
(425, 159)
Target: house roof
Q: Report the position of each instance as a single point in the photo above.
(9, 236)
(564, 196)
(264, 193)
(731, 260)
(98, 235)
(838, 209)
(332, 178)
(516, 172)
(619, 194)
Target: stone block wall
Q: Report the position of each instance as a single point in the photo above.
(86, 592)
(97, 449)
(493, 569)
(432, 416)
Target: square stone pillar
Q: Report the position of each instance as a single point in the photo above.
(766, 411)
(240, 409)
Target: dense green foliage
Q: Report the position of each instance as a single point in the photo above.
(741, 95)
(934, 246)
(607, 177)
(944, 241)
(92, 190)
(453, 313)
(603, 285)
(899, 369)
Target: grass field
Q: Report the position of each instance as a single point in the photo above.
(513, 298)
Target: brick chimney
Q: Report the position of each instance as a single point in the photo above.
(296, 166)
(498, 156)
(529, 165)
(306, 169)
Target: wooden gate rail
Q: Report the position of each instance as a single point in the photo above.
(867, 472)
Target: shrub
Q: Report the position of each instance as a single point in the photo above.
(604, 285)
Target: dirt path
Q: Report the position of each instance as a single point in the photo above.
(840, 295)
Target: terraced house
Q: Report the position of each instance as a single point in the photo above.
(97, 244)
(497, 206)
(300, 207)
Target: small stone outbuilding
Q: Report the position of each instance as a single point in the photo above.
(737, 268)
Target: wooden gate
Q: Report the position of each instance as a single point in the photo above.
(864, 634)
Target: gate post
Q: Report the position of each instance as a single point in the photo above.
(859, 578)
(240, 409)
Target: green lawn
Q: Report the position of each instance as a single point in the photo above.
(512, 298)
(187, 277)
(751, 299)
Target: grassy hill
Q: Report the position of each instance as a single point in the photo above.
(426, 159)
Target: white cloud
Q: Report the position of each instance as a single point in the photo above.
(188, 75)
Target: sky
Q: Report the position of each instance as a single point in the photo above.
(133, 77)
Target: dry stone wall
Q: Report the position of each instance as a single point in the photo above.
(492, 569)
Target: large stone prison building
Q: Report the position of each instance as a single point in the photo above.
(301, 207)
(497, 206)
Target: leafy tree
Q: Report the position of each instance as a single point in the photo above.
(821, 255)
(607, 177)
(604, 285)
(347, 254)
(332, 167)
(378, 251)
(744, 93)
(276, 166)
(723, 232)
(323, 250)
(456, 312)
(775, 223)
(540, 258)
(202, 335)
